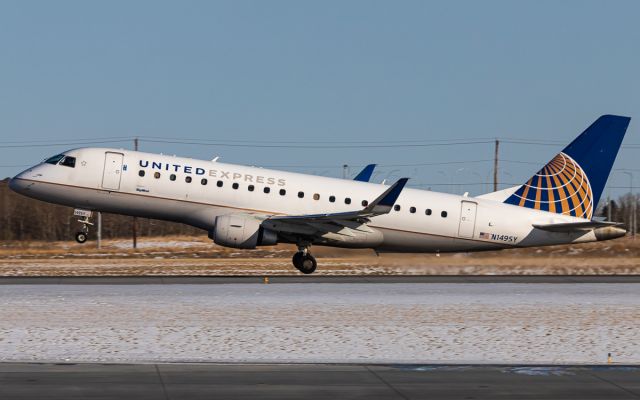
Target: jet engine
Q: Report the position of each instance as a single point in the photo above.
(242, 232)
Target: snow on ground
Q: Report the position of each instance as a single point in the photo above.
(323, 322)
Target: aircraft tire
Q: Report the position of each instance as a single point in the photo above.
(81, 237)
(297, 260)
(308, 264)
(304, 263)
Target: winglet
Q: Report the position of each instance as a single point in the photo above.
(365, 174)
(383, 204)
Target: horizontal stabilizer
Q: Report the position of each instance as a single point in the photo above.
(575, 226)
(365, 174)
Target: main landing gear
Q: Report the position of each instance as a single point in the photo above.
(83, 234)
(304, 261)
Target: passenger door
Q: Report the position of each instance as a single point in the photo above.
(112, 170)
(467, 219)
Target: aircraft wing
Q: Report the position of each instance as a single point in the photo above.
(574, 226)
(340, 223)
(365, 174)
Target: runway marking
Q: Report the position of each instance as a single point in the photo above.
(631, 392)
(387, 383)
(164, 387)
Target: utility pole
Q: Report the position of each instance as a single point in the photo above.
(99, 235)
(632, 205)
(495, 166)
(134, 222)
(632, 219)
(5, 212)
(345, 169)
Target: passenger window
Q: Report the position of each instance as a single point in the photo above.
(156, 175)
(172, 177)
(396, 207)
(347, 200)
(443, 214)
(332, 199)
(68, 162)
(427, 211)
(412, 210)
(282, 192)
(55, 159)
(250, 188)
(219, 183)
(203, 181)
(266, 189)
(301, 195)
(364, 203)
(187, 179)
(141, 172)
(316, 196)
(235, 185)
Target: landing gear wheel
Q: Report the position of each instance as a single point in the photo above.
(305, 263)
(81, 237)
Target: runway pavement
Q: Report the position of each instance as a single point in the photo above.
(321, 381)
(159, 280)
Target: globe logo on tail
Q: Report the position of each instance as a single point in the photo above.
(560, 187)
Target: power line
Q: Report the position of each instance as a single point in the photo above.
(11, 146)
(53, 141)
(320, 146)
(356, 142)
(287, 144)
(378, 165)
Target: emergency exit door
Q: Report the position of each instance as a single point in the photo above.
(467, 219)
(112, 170)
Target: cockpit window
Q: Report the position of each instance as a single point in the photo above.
(68, 162)
(55, 159)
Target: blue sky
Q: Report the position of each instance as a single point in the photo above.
(324, 72)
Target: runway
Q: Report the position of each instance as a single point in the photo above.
(381, 279)
(321, 381)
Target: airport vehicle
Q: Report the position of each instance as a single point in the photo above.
(245, 207)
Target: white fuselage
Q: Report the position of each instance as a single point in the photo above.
(109, 180)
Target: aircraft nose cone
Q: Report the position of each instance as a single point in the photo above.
(18, 183)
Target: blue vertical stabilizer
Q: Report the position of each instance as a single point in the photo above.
(573, 181)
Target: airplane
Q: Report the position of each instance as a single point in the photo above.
(246, 207)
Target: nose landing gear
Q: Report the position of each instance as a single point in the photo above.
(81, 237)
(304, 261)
(83, 234)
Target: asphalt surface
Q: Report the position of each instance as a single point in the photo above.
(159, 280)
(321, 381)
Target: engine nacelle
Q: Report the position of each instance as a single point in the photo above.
(242, 232)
